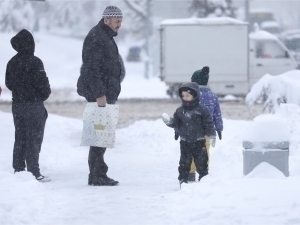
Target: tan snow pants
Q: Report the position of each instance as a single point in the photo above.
(193, 166)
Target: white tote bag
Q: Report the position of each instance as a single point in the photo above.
(99, 125)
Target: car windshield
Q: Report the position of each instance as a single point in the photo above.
(272, 30)
(293, 44)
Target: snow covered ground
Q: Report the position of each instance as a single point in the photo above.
(144, 161)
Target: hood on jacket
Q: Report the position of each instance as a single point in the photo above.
(194, 86)
(23, 42)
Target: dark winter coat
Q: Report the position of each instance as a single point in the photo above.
(25, 73)
(210, 100)
(191, 119)
(100, 73)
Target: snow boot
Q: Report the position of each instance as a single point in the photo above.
(104, 181)
(192, 177)
(110, 180)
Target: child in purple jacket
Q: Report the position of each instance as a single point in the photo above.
(210, 100)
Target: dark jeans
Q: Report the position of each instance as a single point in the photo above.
(29, 120)
(98, 167)
(188, 151)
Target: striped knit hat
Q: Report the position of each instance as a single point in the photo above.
(112, 11)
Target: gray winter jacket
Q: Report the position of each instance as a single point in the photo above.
(192, 120)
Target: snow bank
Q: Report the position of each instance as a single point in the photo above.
(268, 128)
(274, 90)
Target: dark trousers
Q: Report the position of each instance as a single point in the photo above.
(98, 167)
(29, 120)
(188, 151)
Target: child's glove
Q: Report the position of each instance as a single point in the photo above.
(212, 141)
(219, 134)
(176, 136)
(166, 118)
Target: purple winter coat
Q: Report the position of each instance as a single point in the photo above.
(210, 100)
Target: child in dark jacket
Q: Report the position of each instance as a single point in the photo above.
(193, 122)
(210, 100)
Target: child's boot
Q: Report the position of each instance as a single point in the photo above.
(201, 175)
(192, 177)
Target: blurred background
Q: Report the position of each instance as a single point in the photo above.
(141, 18)
(59, 27)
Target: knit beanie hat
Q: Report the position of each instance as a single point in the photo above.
(189, 90)
(112, 11)
(201, 76)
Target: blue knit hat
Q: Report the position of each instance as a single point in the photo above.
(112, 11)
(201, 76)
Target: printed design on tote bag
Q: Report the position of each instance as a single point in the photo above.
(99, 125)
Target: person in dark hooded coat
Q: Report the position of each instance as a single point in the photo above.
(100, 79)
(27, 79)
(193, 122)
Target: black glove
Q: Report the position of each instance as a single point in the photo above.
(205, 70)
(219, 134)
(176, 136)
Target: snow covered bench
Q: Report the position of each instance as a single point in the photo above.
(274, 153)
(267, 141)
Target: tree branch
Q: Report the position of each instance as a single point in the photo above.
(136, 8)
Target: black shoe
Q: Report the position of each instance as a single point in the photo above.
(43, 179)
(104, 179)
(110, 180)
(192, 177)
(99, 181)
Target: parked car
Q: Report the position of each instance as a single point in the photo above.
(291, 39)
(134, 54)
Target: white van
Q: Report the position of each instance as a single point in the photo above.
(236, 59)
